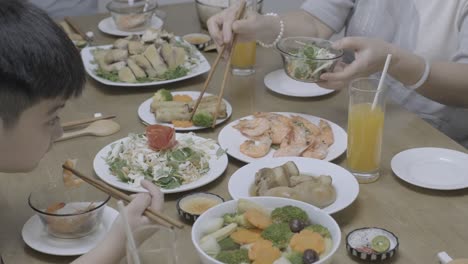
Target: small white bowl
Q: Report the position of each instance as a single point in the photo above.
(316, 215)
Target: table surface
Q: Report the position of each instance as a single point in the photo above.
(425, 221)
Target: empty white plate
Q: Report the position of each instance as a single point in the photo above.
(346, 185)
(108, 26)
(35, 235)
(278, 81)
(432, 168)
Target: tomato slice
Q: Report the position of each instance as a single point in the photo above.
(160, 137)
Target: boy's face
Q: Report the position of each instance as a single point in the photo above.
(23, 145)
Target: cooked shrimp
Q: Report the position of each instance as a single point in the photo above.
(311, 128)
(254, 127)
(327, 133)
(316, 151)
(256, 150)
(280, 128)
(290, 151)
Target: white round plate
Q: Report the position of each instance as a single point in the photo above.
(230, 139)
(432, 168)
(108, 26)
(35, 235)
(201, 67)
(217, 167)
(346, 185)
(145, 114)
(278, 81)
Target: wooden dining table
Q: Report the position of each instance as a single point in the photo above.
(425, 221)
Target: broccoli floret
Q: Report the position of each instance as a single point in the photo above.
(228, 244)
(238, 219)
(202, 119)
(162, 95)
(323, 231)
(287, 213)
(279, 234)
(294, 257)
(240, 256)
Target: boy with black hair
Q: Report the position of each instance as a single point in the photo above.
(40, 69)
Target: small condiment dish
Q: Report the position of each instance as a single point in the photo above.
(191, 206)
(199, 40)
(361, 243)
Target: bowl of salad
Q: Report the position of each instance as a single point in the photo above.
(306, 58)
(265, 230)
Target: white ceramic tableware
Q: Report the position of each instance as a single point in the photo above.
(279, 82)
(432, 168)
(145, 114)
(444, 258)
(345, 184)
(107, 25)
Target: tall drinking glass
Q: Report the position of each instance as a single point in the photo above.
(244, 53)
(155, 245)
(365, 129)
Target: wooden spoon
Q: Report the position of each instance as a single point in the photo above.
(100, 128)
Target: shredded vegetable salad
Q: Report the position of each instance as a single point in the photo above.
(132, 160)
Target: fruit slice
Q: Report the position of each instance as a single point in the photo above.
(380, 244)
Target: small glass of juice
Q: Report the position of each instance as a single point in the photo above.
(365, 128)
(244, 53)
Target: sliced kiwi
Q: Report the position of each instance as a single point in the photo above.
(380, 244)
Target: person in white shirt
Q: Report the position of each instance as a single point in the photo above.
(422, 35)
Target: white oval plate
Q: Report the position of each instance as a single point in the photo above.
(107, 25)
(35, 236)
(346, 185)
(230, 139)
(278, 81)
(203, 66)
(144, 112)
(217, 167)
(432, 168)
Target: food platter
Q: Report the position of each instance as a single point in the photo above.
(217, 165)
(345, 184)
(107, 25)
(35, 236)
(230, 139)
(432, 168)
(201, 67)
(279, 82)
(145, 114)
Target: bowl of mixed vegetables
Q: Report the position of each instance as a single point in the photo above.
(306, 58)
(268, 230)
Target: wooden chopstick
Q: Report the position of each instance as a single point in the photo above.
(80, 122)
(150, 213)
(76, 28)
(239, 14)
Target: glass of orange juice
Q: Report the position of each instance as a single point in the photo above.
(365, 129)
(244, 53)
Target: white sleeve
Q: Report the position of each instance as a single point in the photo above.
(462, 53)
(333, 13)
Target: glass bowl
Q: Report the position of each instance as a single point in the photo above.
(306, 58)
(208, 8)
(69, 212)
(132, 15)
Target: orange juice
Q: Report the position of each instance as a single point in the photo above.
(365, 129)
(243, 56)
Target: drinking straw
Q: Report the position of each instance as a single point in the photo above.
(382, 80)
(128, 231)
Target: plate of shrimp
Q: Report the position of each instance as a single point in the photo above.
(265, 135)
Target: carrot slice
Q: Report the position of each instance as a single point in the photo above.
(182, 98)
(307, 239)
(257, 218)
(263, 252)
(246, 236)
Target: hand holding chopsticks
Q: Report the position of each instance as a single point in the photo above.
(150, 213)
(239, 15)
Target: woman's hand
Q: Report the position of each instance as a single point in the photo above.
(370, 55)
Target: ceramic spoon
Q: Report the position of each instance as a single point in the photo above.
(99, 128)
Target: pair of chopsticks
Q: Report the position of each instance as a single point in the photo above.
(72, 124)
(240, 14)
(150, 213)
(76, 29)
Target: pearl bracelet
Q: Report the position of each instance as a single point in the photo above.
(427, 70)
(280, 35)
